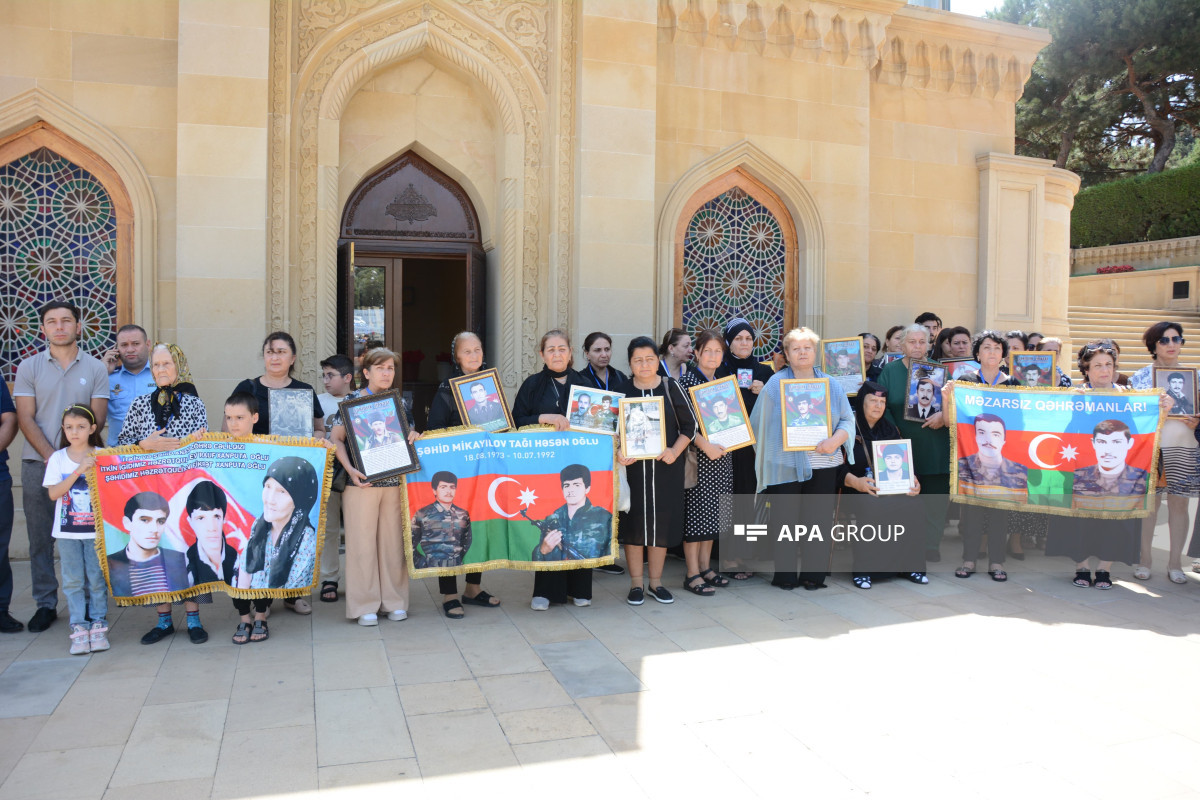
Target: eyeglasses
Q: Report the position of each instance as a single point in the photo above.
(1171, 340)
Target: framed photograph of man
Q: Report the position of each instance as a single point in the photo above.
(805, 411)
(377, 435)
(1033, 368)
(481, 402)
(640, 422)
(961, 366)
(593, 410)
(291, 412)
(925, 382)
(1180, 385)
(722, 414)
(843, 359)
(894, 469)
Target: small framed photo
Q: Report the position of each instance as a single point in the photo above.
(1033, 368)
(842, 359)
(377, 435)
(722, 414)
(481, 402)
(805, 410)
(1180, 385)
(888, 358)
(593, 410)
(640, 421)
(925, 382)
(961, 366)
(894, 468)
(290, 412)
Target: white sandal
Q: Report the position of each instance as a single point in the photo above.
(1141, 573)
(1177, 576)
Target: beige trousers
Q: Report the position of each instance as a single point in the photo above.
(376, 575)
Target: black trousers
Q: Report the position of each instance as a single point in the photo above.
(977, 521)
(448, 584)
(261, 604)
(558, 586)
(819, 505)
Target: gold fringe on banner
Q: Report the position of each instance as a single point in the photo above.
(503, 563)
(1010, 505)
(207, 588)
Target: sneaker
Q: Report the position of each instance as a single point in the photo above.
(581, 602)
(661, 594)
(157, 634)
(367, 620)
(396, 616)
(42, 619)
(611, 569)
(10, 625)
(99, 637)
(539, 603)
(300, 605)
(80, 646)
(636, 596)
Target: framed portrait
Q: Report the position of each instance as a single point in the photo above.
(481, 401)
(961, 366)
(805, 410)
(640, 422)
(894, 470)
(1180, 385)
(722, 413)
(377, 435)
(924, 390)
(888, 358)
(593, 410)
(1033, 368)
(290, 412)
(842, 359)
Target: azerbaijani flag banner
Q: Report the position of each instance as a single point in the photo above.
(241, 516)
(535, 499)
(1076, 452)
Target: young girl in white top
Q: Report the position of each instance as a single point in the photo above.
(75, 529)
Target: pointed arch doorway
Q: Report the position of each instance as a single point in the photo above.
(411, 272)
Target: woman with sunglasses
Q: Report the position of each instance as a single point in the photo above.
(1180, 456)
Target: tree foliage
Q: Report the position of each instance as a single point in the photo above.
(1116, 90)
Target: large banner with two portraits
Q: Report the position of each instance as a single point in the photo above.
(1089, 453)
(535, 499)
(242, 516)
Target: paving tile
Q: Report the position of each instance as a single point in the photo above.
(181, 740)
(94, 712)
(544, 725)
(195, 789)
(460, 742)
(587, 669)
(523, 691)
(56, 774)
(350, 665)
(497, 650)
(357, 725)
(188, 675)
(34, 688)
(275, 694)
(567, 750)
(408, 669)
(252, 764)
(378, 775)
(434, 698)
(16, 733)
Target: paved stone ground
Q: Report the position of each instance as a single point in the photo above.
(958, 689)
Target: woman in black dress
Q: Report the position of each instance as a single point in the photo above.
(467, 351)
(542, 400)
(655, 519)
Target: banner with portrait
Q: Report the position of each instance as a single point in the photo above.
(240, 516)
(1072, 452)
(535, 499)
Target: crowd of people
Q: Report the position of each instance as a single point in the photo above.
(64, 399)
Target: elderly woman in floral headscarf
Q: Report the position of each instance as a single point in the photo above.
(161, 421)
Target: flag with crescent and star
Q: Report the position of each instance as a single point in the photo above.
(1060, 451)
(535, 500)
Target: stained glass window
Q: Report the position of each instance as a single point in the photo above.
(58, 240)
(734, 259)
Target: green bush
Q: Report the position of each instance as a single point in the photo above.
(1139, 209)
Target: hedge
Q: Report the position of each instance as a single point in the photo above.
(1144, 208)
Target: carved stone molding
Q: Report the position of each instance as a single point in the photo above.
(564, 185)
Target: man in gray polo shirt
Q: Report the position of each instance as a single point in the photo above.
(46, 384)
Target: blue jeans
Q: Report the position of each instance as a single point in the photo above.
(83, 580)
(39, 521)
(6, 523)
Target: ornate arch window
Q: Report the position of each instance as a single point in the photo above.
(736, 257)
(66, 232)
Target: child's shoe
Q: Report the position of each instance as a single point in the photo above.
(99, 636)
(80, 639)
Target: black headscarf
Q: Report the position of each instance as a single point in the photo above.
(299, 479)
(883, 429)
(758, 370)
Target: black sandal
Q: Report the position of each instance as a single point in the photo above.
(1083, 579)
(714, 578)
(242, 634)
(451, 605)
(998, 575)
(260, 630)
(482, 599)
(1103, 580)
(329, 592)
(703, 588)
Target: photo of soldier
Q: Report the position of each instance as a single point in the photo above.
(988, 473)
(1111, 483)
(1180, 388)
(577, 530)
(441, 531)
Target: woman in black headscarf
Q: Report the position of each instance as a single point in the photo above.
(751, 376)
(542, 399)
(282, 548)
(858, 478)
